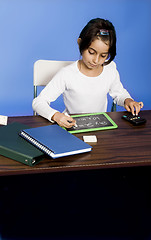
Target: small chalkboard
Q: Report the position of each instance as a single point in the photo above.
(92, 122)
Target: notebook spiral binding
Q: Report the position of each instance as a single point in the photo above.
(36, 143)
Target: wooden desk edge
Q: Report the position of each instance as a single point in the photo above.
(34, 170)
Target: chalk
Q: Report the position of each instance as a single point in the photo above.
(69, 120)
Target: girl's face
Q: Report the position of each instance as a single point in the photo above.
(94, 57)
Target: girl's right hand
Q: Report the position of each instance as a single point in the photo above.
(133, 106)
(63, 120)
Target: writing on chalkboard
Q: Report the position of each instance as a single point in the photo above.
(92, 122)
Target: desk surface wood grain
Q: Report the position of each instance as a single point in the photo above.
(126, 146)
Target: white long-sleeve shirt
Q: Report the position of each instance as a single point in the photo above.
(81, 94)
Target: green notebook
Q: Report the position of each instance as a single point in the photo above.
(16, 148)
(92, 122)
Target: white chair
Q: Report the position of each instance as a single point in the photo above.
(44, 70)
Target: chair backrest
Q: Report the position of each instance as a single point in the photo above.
(44, 70)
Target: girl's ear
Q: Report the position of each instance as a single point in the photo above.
(78, 41)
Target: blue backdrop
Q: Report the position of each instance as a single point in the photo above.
(48, 29)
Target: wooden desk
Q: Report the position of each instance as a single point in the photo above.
(97, 195)
(127, 146)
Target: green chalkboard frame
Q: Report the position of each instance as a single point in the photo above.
(112, 125)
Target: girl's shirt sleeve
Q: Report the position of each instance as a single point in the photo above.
(50, 93)
(117, 91)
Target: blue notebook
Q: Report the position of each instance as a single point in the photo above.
(55, 141)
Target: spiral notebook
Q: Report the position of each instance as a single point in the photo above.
(55, 141)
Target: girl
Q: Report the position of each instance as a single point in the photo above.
(86, 83)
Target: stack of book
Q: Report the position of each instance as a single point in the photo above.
(29, 145)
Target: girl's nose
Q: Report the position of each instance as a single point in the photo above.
(96, 59)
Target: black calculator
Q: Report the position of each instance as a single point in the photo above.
(135, 120)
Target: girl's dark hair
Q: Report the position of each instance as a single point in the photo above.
(92, 31)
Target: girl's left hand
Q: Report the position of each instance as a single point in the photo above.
(132, 106)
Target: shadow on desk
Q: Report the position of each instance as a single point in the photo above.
(109, 204)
